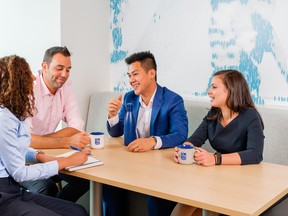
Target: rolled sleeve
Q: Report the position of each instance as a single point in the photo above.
(31, 156)
(52, 168)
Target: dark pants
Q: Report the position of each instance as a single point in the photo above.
(72, 191)
(278, 209)
(117, 203)
(14, 202)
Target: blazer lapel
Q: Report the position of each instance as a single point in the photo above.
(157, 103)
(136, 106)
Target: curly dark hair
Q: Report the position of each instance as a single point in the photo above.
(16, 86)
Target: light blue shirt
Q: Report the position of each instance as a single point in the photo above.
(14, 151)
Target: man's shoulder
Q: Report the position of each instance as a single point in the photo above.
(167, 93)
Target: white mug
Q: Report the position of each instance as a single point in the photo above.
(186, 154)
(97, 140)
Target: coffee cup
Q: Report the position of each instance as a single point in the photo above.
(97, 140)
(186, 154)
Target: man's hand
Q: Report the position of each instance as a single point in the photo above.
(114, 106)
(79, 140)
(141, 145)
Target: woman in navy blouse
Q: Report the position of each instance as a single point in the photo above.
(16, 104)
(233, 127)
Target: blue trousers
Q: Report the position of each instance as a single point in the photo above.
(14, 202)
(72, 191)
(117, 204)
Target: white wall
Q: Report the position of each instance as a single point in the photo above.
(85, 31)
(28, 28)
(190, 46)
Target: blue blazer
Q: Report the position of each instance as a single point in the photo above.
(168, 118)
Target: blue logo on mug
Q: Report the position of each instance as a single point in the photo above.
(183, 156)
(97, 141)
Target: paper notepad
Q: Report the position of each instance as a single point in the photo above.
(91, 162)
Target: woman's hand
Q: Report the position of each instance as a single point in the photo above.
(203, 157)
(42, 157)
(176, 155)
(75, 159)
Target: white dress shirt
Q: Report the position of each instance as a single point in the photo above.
(143, 120)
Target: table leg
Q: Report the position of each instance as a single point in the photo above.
(95, 199)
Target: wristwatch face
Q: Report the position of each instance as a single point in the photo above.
(155, 140)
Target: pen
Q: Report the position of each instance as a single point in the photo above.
(77, 149)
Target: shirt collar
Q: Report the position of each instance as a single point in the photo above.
(143, 105)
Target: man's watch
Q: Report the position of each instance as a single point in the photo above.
(155, 140)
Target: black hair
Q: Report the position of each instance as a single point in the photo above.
(146, 59)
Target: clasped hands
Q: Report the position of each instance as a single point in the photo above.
(141, 145)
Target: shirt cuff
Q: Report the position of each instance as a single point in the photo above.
(52, 167)
(31, 156)
(113, 121)
(158, 144)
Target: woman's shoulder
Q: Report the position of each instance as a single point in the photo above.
(6, 116)
(250, 113)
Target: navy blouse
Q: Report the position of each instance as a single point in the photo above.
(244, 135)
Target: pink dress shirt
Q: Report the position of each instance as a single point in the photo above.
(51, 109)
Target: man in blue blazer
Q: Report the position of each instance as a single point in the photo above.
(161, 122)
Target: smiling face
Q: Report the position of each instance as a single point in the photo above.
(57, 72)
(218, 93)
(142, 82)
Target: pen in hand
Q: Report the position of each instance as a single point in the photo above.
(77, 149)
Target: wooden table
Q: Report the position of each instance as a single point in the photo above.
(227, 189)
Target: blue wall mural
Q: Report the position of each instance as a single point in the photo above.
(190, 46)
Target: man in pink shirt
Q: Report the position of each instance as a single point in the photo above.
(55, 101)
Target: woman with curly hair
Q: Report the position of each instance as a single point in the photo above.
(16, 104)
